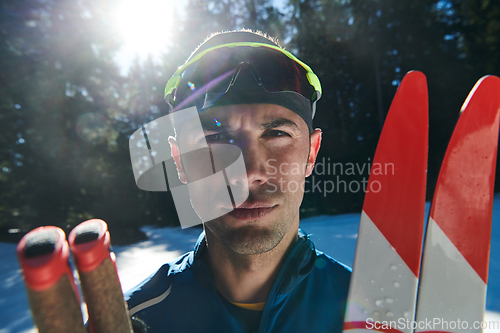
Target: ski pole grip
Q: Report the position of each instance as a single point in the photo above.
(43, 254)
(90, 245)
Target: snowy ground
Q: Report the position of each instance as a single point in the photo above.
(335, 235)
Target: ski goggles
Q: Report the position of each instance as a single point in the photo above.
(211, 73)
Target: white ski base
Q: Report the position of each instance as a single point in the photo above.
(450, 289)
(383, 288)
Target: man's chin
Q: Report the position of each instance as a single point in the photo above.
(246, 238)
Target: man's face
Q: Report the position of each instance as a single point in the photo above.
(278, 155)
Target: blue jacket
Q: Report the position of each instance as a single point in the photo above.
(309, 295)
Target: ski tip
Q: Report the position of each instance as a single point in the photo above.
(462, 204)
(415, 73)
(491, 85)
(418, 76)
(413, 86)
(400, 188)
(43, 254)
(490, 77)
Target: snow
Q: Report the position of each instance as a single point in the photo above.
(334, 235)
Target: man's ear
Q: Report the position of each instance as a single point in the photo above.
(176, 155)
(313, 150)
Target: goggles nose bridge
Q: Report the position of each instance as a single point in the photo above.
(244, 68)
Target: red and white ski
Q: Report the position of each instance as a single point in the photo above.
(452, 291)
(387, 261)
(452, 286)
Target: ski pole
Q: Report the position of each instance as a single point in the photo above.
(43, 254)
(90, 246)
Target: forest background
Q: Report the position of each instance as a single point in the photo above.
(67, 109)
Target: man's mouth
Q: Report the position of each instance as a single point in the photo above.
(252, 211)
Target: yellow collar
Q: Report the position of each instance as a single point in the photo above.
(251, 306)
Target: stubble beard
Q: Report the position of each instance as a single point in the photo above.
(252, 238)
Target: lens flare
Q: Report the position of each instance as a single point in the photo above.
(92, 127)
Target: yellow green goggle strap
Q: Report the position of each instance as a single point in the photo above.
(174, 81)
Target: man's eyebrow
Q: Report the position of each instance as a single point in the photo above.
(278, 123)
(212, 125)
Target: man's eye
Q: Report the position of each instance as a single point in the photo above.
(217, 138)
(277, 133)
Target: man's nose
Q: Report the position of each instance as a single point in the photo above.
(254, 157)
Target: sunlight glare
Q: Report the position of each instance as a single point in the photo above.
(144, 25)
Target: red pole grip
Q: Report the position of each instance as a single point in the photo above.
(90, 245)
(43, 254)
